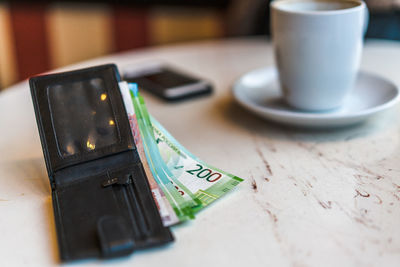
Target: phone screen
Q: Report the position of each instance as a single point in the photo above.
(168, 78)
(168, 83)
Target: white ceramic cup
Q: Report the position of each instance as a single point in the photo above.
(318, 45)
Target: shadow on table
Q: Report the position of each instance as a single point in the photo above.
(231, 111)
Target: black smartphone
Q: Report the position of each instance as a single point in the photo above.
(167, 82)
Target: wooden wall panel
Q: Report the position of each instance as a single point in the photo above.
(78, 32)
(38, 36)
(30, 40)
(168, 25)
(8, 64)
(130, 27)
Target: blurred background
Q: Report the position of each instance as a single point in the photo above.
(39, 36)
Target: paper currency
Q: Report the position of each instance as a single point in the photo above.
(207, 183)
(179, 197)
(167, 213)
(189, 197)
(181, 183)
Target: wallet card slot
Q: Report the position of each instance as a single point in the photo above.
(124, 186)
(138, 208)
(132, 215)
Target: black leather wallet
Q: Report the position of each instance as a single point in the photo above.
(103, 206)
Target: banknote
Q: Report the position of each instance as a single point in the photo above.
(189, 197)
(182, 184)
(165, 209)
(206, 182)
(191, 176)
(182, 200)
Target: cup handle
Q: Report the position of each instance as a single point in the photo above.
(366, 19)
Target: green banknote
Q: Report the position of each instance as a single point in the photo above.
(182, 199)
(185, 181)
(191, 176)
(166, 210)
(206, 182)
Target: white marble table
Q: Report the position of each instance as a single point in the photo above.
(310, 198)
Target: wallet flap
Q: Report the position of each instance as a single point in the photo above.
(114, 236)
(80, 115)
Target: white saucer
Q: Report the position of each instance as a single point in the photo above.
(259, 91)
